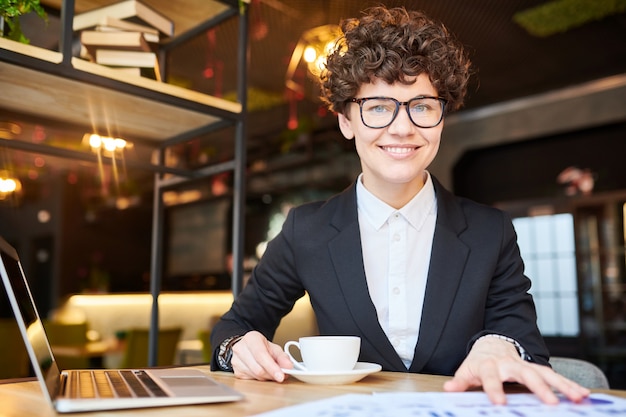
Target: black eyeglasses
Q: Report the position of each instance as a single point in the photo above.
(380, 112)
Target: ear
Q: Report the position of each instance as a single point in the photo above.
(345, 125)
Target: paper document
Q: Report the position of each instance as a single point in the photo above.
(440, 404)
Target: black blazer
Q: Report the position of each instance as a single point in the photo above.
(475, 284)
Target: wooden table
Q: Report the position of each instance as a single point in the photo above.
(24, 399)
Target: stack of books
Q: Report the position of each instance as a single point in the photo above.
(123, 35)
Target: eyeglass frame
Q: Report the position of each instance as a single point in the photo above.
(361, 100)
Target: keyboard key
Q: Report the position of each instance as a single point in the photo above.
(134, 384)
(120, 387)
(150, 384)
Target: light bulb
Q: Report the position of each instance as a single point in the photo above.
(310, 54)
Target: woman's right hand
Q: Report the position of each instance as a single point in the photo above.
(255, 357)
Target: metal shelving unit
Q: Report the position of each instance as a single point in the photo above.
(52, 85)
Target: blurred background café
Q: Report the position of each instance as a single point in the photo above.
(122, 180)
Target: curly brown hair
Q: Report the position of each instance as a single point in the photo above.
(394, 45)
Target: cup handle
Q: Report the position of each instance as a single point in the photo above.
(296, 364)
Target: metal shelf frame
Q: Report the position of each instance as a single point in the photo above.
(65, 69)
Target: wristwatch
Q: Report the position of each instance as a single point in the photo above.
(522, 352)
(225, 353)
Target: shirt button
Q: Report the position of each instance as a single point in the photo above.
(395, 342)
(396, 290)
(396, 237)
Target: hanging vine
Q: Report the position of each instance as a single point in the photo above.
(10, 12)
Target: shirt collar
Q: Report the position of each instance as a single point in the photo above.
(415, 211)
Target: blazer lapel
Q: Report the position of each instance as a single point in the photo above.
(447, 262)
(347, 258)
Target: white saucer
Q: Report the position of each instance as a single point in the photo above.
(360, 371)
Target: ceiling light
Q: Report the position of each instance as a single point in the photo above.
(106, 143)
(43, 216)
(8, 186)
(313, 47)
(310, 55)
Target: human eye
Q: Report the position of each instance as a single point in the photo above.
(379, 106)
(419, 108)
(423, 105)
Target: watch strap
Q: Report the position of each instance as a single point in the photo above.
(520, 349)
(225, 353)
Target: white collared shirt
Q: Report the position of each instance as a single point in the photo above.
(396, 254)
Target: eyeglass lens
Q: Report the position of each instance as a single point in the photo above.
(380, 112)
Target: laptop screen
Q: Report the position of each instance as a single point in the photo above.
(27, 318)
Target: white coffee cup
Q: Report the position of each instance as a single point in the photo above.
(326, 353)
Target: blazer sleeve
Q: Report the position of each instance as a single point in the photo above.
(510, 309)
(269, 295)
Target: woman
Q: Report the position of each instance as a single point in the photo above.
(431, 283)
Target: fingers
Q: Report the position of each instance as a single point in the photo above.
(462, 380)
(486, 375)
(280, 357)
(543, 381)
(537, 384)
(491, 374)
(492, 385)
(254, 357)
(456, 385)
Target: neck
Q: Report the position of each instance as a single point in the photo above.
(396, 195)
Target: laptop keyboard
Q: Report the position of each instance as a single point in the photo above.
(112, 384)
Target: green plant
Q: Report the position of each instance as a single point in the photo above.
(11, 10)
(558, 16)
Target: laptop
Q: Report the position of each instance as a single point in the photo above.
(99, 389)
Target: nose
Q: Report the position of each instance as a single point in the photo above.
(402, 124)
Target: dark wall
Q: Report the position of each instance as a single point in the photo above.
(103, 248)
(529, 169)
(33, 239)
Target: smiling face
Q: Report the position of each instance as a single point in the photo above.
(393, 159)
